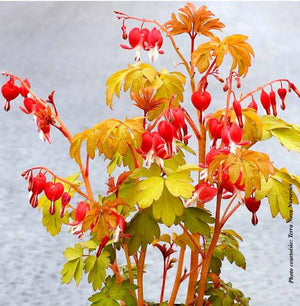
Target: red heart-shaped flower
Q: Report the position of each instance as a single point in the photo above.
(53, 191)
(10, 91)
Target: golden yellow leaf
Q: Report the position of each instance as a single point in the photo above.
(109, 136)
(235, 45)
(241, 52)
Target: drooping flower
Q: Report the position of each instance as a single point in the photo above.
(35, 187)
(80, 212)
(168, 132)
(9, 91)
(253, 206)
(53, 192)
(120, 228)
(23, 90)
(265, 101)
(238, 112)
(29, 106)
(176, 118)
(201, 100)
(65, 200)
(203, 193)
(253, 105)
(282, 93)
(273, 102)
(136, 39)
(152, 148)
(153, 43)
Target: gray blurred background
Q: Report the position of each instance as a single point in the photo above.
(73, 47)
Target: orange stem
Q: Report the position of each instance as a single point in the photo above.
(228, 206)
(140, 273)
(178, 277)
(225, 218)
(208, 255)
(125, 248)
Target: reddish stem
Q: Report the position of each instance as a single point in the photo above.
(263, 86)
(87, 163)
(136, 165)
(225, 218)
(60, 179)
(163, 282)
(191, 123)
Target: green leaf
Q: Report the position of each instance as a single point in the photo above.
(234, 255)
(128, 192)
(227, 301)
(215, 265)
(95, 267)
(167, 207)
(185, 147)
(73, 253)
(112, 292)
(73, 268)
(196, 219)
(149, 190)
(143, 229)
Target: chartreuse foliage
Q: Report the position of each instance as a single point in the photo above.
(143, 229)
(96, 269)
(223, 294)
(113, 292)
(54, 222)
(196, 220)
(287, 134)
(142, 200)
(164, 193)
(280, 194)
(228, 246)
(74, 266)
(94, 266)
(136, 77)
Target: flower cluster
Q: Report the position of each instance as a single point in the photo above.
(161, 144)
(144, 39)
(53, 191)
(42, 114)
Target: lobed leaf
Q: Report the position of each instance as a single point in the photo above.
(112, 292)
(143, 230)
(287, 134)
(95, 267)
(74, 266)
(197, 219)
(167, 208)
(200, 20)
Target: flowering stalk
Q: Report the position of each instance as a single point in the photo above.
(208, 255)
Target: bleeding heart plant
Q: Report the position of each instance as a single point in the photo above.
(157, 186)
